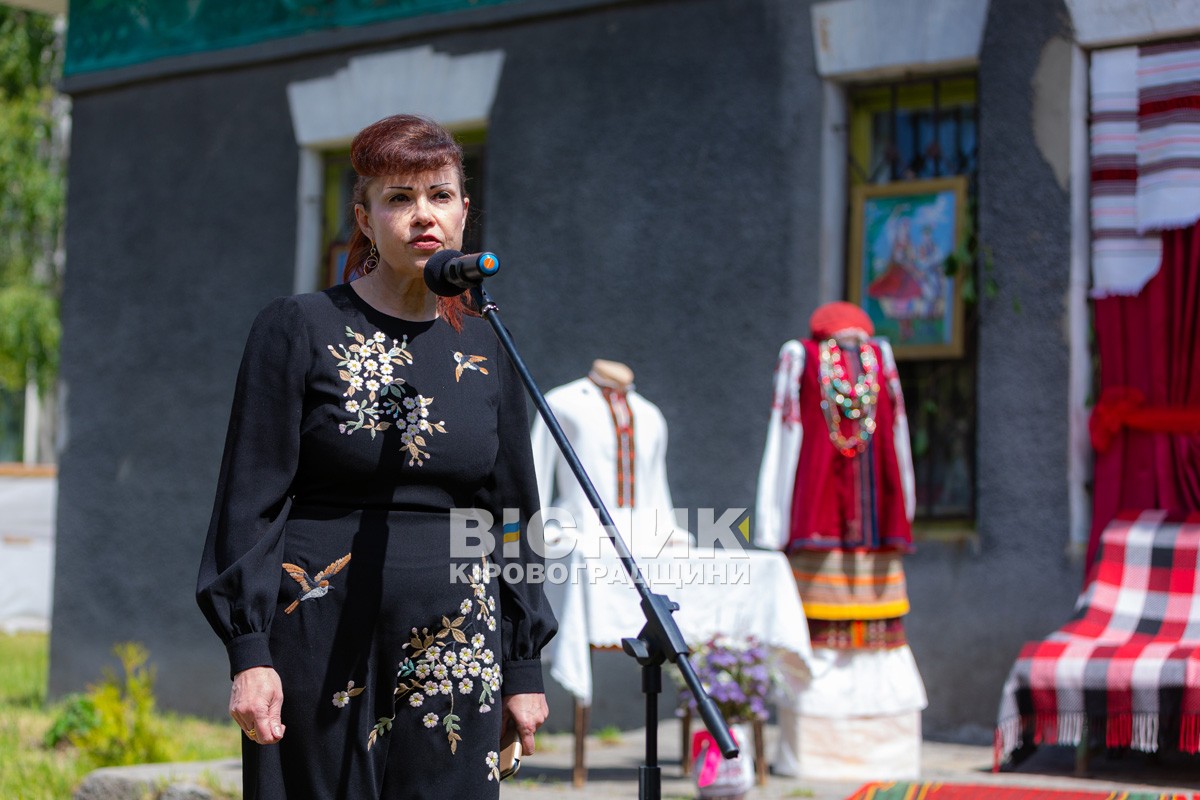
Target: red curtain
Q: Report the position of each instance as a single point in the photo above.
(1151, 344)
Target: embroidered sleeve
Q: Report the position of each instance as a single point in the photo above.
(785, 434)
(526, 621)
(238, 583)
(904, 462)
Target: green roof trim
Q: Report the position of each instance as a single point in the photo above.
(109, 34)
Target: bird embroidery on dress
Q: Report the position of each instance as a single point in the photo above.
(313, 587)
(467, 362)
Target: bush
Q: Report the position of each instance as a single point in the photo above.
(76, 716)
(125, 729)
(30, 770)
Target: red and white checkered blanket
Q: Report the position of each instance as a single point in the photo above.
(1128, 662)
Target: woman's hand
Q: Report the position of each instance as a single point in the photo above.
(527, 712)
(255, 702)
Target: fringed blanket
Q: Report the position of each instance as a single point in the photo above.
(1128, 663)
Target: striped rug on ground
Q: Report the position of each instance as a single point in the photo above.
(961, 791)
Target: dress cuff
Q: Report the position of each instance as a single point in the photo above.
(522, 677)
(248, 650)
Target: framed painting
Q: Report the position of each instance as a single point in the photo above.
(901, 234)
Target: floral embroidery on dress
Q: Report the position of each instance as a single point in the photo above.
(368, 365)
(342, 699)
(416, 419)
(493, 763)
(466, 362)
(314, 587)
(449, 665)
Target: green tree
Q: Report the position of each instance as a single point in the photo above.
(32, 156)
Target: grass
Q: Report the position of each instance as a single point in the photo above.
(31, 771)
(609, 735)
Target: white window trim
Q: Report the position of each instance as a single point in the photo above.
(903, 37)
(309, 207)
(1079, 448)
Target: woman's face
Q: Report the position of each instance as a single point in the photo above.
(411, 217)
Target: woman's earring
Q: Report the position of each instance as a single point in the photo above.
(372, 260)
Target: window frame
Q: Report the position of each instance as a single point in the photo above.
(923, 379)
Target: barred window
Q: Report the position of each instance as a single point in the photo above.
(910, 134)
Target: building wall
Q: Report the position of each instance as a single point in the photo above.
(653, 192)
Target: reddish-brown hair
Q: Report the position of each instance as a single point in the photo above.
(402, 144)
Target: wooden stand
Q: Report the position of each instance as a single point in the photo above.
(579, 770)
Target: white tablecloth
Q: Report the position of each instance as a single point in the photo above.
(740, 594)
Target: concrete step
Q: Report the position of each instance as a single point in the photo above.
(196, 780)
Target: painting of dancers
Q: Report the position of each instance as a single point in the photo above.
(901, 234)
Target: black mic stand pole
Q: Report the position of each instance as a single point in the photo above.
(660, 639)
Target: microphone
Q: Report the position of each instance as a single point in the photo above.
(449, 272)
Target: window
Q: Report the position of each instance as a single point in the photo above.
(915, 130)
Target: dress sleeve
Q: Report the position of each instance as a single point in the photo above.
(527, 623)
(785, 435)
(238, 584)
(904, 460)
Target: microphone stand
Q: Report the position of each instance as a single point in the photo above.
(660, 638)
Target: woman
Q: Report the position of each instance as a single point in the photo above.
(369, 657)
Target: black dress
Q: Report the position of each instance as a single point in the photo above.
(332, 554)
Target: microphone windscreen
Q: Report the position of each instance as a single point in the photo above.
(435, 274)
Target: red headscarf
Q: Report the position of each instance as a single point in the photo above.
(838, 316)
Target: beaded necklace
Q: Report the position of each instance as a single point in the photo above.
(841, 399)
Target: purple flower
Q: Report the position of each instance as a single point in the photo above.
(735, 674)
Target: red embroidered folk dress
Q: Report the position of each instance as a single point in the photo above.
(844, 520)
(847, 502)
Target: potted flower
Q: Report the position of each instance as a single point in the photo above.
(735, 673)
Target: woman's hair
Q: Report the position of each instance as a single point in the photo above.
(402, 144)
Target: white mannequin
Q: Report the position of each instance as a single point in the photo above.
(589, 423)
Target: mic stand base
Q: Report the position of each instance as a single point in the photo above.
(651, 659)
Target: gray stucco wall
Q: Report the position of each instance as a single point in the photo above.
(652, 190)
